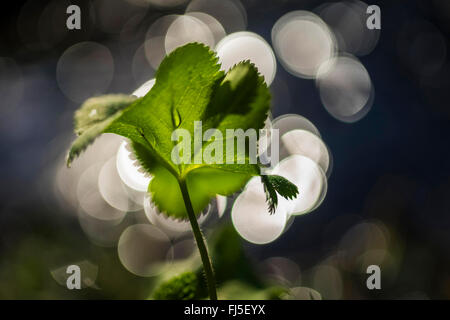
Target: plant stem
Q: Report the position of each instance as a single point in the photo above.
(207, 266)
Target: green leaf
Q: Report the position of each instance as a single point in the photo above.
(238, 290)
(274, 184)
(202, 183)
(93, 117)
(183, 88)
(190, 87)
(182, 287)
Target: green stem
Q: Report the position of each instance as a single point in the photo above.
(207, 266)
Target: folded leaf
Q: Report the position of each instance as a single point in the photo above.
(93, 117)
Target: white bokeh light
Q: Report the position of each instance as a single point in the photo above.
(131, 173)
(302, 42)
(213, 24)
(88, 277)
(280, 270)
(104, 233)
(348, 19)
(230, 13)
(288, 122)
(90, 199)
(251, 217)
(172, 227)
(221, 204)
(241, 46)
(345, 88)
(144, 250)
(144, 88)
(327, 279)
(163, 4)
(155, 37)
(140, 67)
(302, 293)
(305, 143)
(186, 29)
(309, 179)
(84, 70)
(113, 190)
(66, 179)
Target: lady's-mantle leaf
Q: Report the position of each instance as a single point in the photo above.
(93, 117)
(184, 84)
(189, 87)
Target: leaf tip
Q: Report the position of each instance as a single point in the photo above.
(274, 184)
(69, 158)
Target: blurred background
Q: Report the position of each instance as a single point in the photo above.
(379, 98)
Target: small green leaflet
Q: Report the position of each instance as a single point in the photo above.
(189, 87)
(182, 287)
(274, 184)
